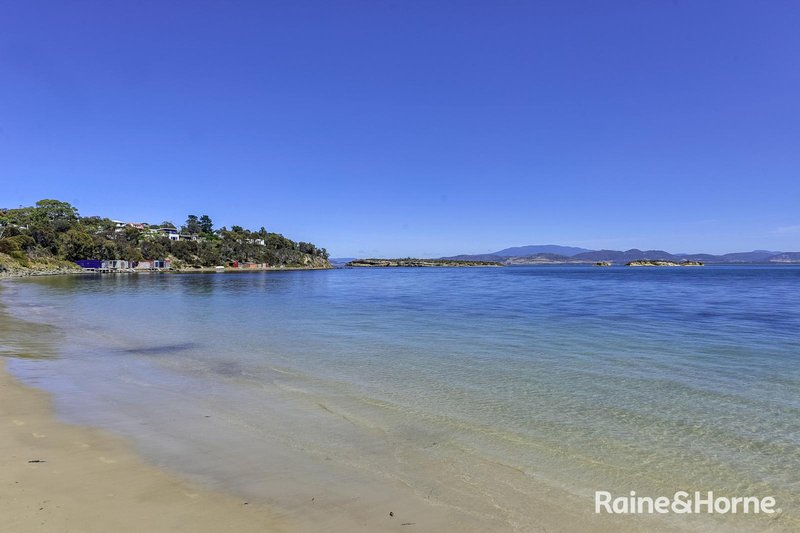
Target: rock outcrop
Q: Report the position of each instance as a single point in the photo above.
(11, 267)
(658, 262)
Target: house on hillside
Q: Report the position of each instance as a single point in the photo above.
(154, 232)
(119, 226)
(171, 233)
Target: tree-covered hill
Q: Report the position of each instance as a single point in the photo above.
(53, 230)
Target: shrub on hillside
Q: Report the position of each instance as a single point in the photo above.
(17, 243)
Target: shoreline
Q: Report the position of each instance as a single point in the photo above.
(31, 273)
(63, 477)
(226, 270)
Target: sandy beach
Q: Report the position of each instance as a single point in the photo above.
(60, 477)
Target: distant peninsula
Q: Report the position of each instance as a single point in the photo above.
(52, 238)
(411, 262)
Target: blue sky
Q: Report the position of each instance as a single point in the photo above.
(414, 128)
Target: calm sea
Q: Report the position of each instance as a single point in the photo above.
(498, 393)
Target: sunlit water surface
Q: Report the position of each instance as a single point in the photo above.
(484, 390)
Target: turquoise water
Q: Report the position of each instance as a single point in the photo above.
(480, 390)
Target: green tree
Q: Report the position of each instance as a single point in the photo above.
(55, 210)
(16, 216)
(155, 248)
(208, 253)
(45, 235)
(206, 226)
(307, 248)
(97, 225)
(129, 235)
(5, 222)
(17, 243)
(76, 244)
(106, 249)
(186, 251)
(192, 225)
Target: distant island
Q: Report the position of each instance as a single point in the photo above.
(658, 263)
(51, 237)
(411, 262)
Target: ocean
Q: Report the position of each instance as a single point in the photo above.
(503, 396)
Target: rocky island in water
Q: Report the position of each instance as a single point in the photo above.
(660, 263)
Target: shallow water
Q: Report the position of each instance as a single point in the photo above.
(501, 394)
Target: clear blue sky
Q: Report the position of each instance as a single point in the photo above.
(420, 128)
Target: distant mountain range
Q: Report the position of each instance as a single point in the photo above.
(341, 260)
(533, 249)
(553, 254)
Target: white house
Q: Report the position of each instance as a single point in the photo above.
(119, 226)
(170, 233)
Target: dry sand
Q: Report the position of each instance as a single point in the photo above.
(60, 477)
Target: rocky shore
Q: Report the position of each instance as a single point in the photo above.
(206, 270)
(21, 265)
(12, 268)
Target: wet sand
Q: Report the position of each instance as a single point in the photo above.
(60, 477)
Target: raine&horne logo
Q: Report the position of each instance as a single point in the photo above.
(682, 502)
